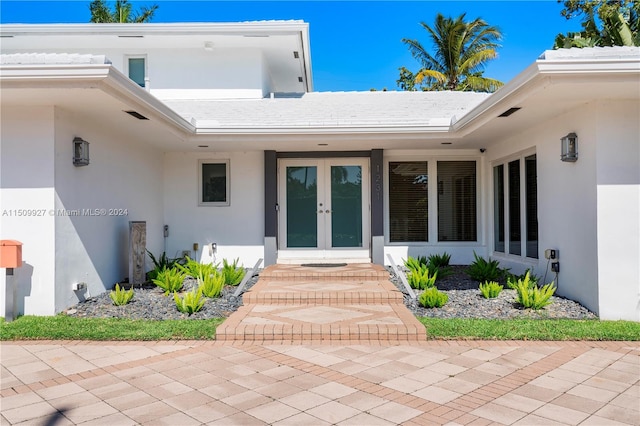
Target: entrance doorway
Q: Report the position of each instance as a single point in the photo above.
(324, 208)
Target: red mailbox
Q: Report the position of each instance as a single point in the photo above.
(10, 254)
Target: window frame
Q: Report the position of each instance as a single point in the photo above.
(146, 65)
(504, 161)
(432, 188)
(227, 202)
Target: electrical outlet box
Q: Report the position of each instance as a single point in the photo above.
(79, 286)
(555, 267)
(214, 247)
(551, 254)
(186, 253)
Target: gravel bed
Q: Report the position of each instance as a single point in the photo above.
(150, 303)
(465, 301)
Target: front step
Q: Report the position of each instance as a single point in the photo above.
(295, 324)
(362, 271)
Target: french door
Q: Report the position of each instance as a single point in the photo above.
(324, 207)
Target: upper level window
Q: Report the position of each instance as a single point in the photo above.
(457, 201)
(137, 69)
(515, 207)
(213, 182)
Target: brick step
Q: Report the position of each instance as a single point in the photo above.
(296, 323)
(322, 298)
(350, 272)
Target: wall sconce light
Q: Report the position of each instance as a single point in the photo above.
(80, 152)
(569, 148)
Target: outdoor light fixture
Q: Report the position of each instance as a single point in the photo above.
(80, 152)
(569, 148)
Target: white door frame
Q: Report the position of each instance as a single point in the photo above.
(324, 249)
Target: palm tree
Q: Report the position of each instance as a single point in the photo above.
(121, 13)
(462, 49)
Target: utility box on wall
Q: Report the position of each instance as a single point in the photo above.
(10, 254)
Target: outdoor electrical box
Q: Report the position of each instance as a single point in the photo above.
(551, 254)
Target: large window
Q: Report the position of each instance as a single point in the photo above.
(457, 201)
(213, 182)
(408, 201)
(137, 69)
(515, 207)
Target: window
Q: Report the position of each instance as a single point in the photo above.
(457, 201)
(137, 69)
(515, 213)
(408, 201)
(213, 182)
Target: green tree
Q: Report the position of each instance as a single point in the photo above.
(604, 23)
(121, 12)
(462, 49)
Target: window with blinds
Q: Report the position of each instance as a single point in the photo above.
(408, 201)
(457, 201)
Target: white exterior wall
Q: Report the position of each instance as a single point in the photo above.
(618, 192)
(237, 229)
(566, 202)
(461, 252)
(27, 174)
(122, 174)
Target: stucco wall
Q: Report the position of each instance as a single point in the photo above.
(618, 194)
(27, 187)
(566, 202)
(123, 174)
(238, 229)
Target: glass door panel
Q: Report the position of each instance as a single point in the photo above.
(346, 206)
(302, 198)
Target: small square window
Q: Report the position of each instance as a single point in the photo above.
(213, 182)
(137, 69)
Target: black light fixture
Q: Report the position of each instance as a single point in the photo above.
(569, 148)
(80, 152)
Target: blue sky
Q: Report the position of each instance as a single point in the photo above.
(354, 45)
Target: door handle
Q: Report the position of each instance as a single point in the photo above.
(327, 211)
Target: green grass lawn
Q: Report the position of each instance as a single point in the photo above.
(69, 328)
(530, 329)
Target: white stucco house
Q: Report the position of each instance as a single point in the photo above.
(214, 132)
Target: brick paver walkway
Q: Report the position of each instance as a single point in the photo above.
(228, 383)
(292, 303)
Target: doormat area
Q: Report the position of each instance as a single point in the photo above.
(323, 265)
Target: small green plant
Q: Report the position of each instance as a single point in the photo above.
(421, 278)
(490, 289)
(191, 301)
(212, 285)
(120, 296)
(530, 296)
(233, 274)
(195, 269)
(170, 280)
(413, 263)
(159, 264)
(512, 279)
(439, 260)
(484, 270)
(433, 298)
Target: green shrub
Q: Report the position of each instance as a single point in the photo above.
(159, 264)
(512, 279)
(233, 274)
(413, 263)
(433, 298)
(439, 260)
(530, 296)
(490, 289)
(191, 301)
(421, 278)
(484, 270)
(170, 280)
(120, 296)
(197, 270)
(212, 285)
